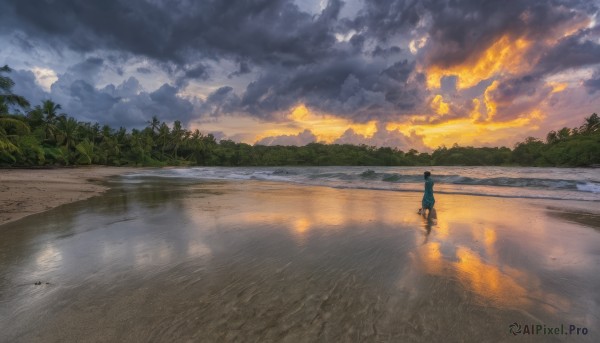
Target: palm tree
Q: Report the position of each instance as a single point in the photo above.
(197, 146)
(86, 152)
(50, 110)
(551, 137)
(90, 131)
(591, 124)
(163, 136)
(154, 124)
(7, 97)
(10, 128)
(67, 131)
(177, 135)
(47, 116)
(563, 133)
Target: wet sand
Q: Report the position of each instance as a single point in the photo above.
(271, 262)
(27, 191)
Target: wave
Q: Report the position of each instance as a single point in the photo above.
(514, 182)
(589, 187)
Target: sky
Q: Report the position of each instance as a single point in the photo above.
(401, 73)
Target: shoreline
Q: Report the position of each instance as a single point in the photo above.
(28, 191)
(24, 192)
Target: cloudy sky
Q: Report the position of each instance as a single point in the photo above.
(406, 73)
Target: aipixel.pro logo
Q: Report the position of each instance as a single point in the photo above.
(541, 329)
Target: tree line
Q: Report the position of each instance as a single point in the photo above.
(43, 136)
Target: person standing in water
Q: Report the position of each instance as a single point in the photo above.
(428, 199)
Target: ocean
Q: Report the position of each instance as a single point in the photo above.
(512, 182)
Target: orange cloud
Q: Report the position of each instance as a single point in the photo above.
(439, 106)
(504, 55)
(325, 127)
(490, 104)
(468, 131)
(558, 87)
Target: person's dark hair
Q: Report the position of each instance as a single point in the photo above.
(427, 174)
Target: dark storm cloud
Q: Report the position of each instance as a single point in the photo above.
(171, 30)
(198, 72)
(88, 69)
(518, 95)
(126, 104)
(293, 56)
(592, 85)
(460, 30)
(346, 86)
(223, 100)
(244, 68)
(26, 85)
(577, 50)
(510, 89)
(382, 19)
(89, 25)
(385, 52)
(176, 34)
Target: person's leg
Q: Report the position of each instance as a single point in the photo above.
(432, 213)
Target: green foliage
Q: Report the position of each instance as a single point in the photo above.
(46, 137)
(86, 152)
(7, 97)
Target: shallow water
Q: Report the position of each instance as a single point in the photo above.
(509, 182)
(176, 260)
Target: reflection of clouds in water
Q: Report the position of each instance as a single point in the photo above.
(48, 259)
(301, 227)
(324, 209)
(450, 252)
(197, 249)
(503, 286)
(158, 254)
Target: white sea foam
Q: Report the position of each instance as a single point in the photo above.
(547, 183)
(589, 187)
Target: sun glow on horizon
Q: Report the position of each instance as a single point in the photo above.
(466, 131)
(327, 128)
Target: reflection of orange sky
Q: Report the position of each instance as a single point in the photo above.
(501, 286)
(480, 271)
(463, 245)
(320, 212)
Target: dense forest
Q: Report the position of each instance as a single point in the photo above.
(42, 136)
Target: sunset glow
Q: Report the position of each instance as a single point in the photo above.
(472, 74)
(503, 56)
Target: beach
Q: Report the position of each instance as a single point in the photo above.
(180, 259)
(28, 191)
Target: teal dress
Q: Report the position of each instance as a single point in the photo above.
(428, 199)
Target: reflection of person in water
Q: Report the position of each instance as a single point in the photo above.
(427, 224)
(428, 199)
